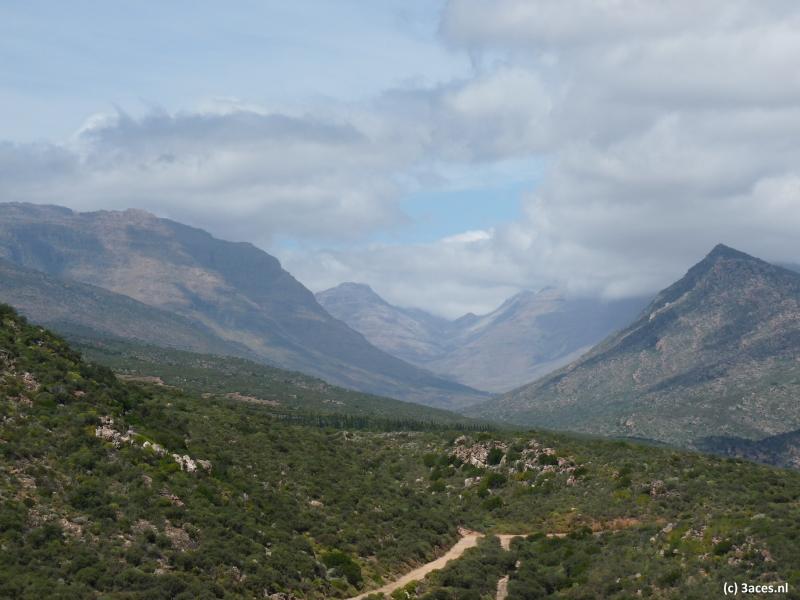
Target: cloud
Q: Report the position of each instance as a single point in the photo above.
(659, 129)
(666, 128)
(241, 173)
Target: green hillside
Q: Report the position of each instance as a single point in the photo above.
(119, 490)
(276, 390)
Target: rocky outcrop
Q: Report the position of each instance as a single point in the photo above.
(495, 455)
(106, 431)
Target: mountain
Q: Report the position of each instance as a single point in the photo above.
(119, 490)
(70, 307)
(714, 354)
(528, 336)
(782, 450)
(234, 290)
(413, 335)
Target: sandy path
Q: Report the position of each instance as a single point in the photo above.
(469, 539)
(502, 588)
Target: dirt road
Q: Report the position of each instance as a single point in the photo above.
(469, 539)
(502, 588)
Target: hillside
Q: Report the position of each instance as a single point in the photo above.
(526, 337)
(236, 291)
(127, 491)
(70, 306)
(781, 450)
(286, 393)
(713, 354)
(414, 336)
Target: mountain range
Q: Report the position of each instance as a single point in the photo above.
(226, 297)
(526, 337)
(711, 362)
(716, 353)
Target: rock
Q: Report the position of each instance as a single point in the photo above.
(186, 463)
(657, 488)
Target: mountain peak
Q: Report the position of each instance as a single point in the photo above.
(723, 251)
(351, 290)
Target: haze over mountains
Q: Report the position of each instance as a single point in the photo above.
(716, 353)
(529, 335)
(231, 291)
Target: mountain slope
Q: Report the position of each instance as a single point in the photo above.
(414, 336)
(528, 336)
(715, 353)
(782, 450)
(71, 307)
(236, 291)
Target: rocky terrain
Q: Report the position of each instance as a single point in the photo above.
(526, 337)
(234, 290)
(716, 352)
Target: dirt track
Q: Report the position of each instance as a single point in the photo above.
(469, 539)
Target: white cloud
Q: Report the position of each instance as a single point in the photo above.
(660, 129)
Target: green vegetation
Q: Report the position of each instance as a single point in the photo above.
(293, 396)
(94, 504)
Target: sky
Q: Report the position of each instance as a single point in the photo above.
(448, 153)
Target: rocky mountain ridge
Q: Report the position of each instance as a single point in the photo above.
(715, 353)
(234, 290)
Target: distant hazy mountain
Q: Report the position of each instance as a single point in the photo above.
(528, 336)
(236, 291)
(714, 354)
(412, 335)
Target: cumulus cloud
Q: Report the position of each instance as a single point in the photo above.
(663, 128)
(668, 128)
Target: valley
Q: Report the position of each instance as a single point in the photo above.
(237, 295)
(429, 300)
(528, 336)
(154, 453)
(301, 510)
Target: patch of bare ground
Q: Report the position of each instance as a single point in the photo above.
(252, 399)
(142, 379)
